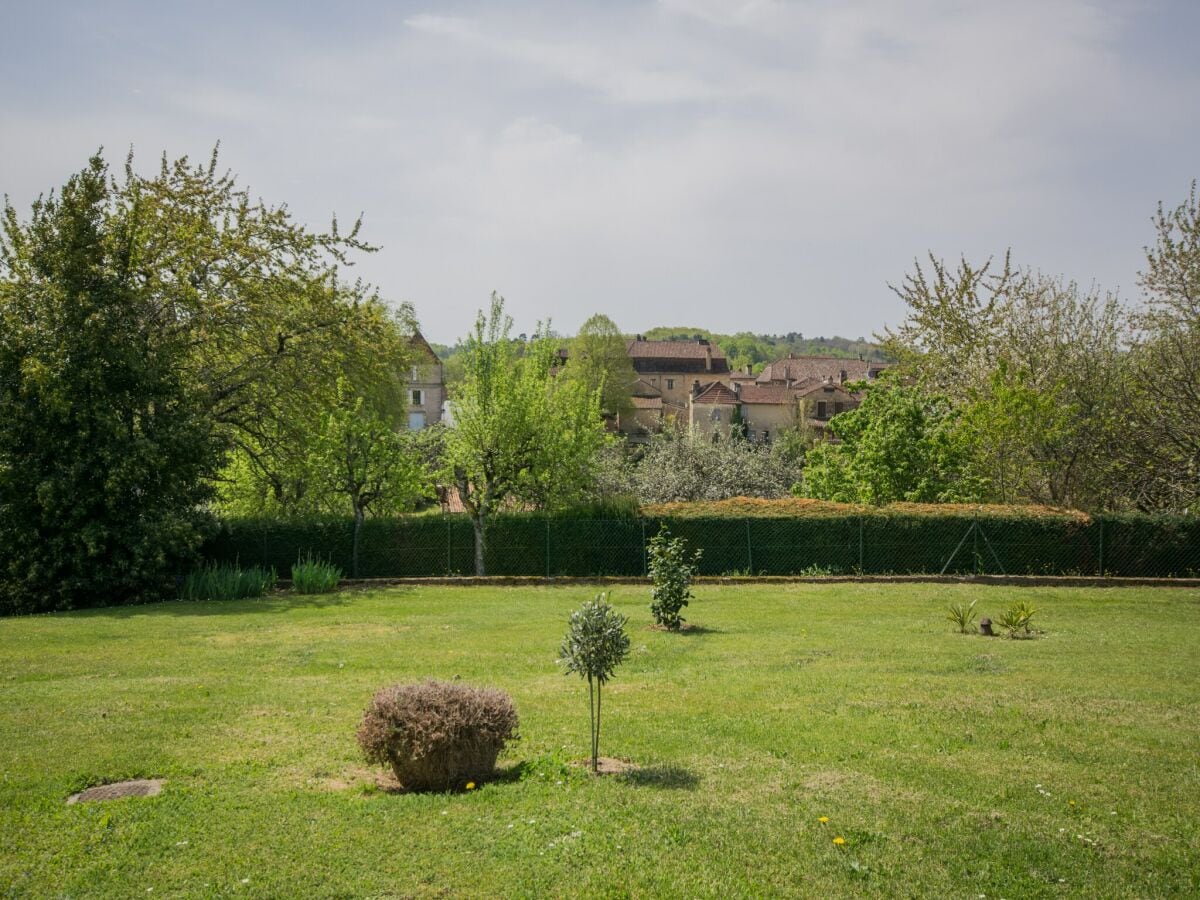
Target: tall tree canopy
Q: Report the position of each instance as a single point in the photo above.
(1164, 399)
(902, 443)
(599, 360)
(521, 435)
(219, 317)
(104, 441)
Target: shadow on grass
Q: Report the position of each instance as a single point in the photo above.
(687, 630)
(668, 777)
(279, 602)
(511, 774)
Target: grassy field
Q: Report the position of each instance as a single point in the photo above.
(951, 765)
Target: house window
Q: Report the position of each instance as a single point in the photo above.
(414, 375)
(670, 384)
(418, 398)
(843, 378)
(766, 436)
(822, 409)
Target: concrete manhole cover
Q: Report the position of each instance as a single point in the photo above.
(141, 787)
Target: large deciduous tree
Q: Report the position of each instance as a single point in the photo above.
(361, 458)
(104, 440)
(520, 435)
(599, 360)
(1035, 367)
(180, 283)
(900, 444)
(1164, 399)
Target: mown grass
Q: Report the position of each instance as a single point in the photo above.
(952, 765)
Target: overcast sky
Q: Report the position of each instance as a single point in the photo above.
(763, 166)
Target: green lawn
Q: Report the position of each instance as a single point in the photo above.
(953, 766)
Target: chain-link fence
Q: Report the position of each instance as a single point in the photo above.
(1130, 546)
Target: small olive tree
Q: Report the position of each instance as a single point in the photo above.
(595, 644)
(672, 571)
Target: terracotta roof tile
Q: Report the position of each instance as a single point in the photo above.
(716, 393)
(819, 368)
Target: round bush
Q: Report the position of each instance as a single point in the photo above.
(437, 735)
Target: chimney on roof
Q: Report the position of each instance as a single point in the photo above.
(707, 356)
(749, 368)
(641, 337)
(695, 387)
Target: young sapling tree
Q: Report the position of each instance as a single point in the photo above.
(595, 644)
(672, 570)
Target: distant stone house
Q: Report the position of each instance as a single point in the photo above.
(804, 389)
(666, 371)
(425, 386)
(795, 370)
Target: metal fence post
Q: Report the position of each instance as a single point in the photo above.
(861, 569)
(1102, 548)
(449, 552)
(749, 551)
(547, 546)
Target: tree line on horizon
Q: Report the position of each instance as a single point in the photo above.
(173, 350)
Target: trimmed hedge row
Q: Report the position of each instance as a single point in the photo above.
(876, 542)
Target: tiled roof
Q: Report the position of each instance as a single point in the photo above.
(819, 387)
(676, 356)
(642, 388)
(778, 394)
(641, 348)
(647, 402)
(819, 368)
(422, 349)
(716, 393)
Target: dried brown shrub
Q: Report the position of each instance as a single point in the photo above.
(437, 735)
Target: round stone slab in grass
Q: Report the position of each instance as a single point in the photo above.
(140, 787)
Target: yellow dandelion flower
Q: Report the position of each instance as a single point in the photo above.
(839, 840)
(470, 785)
(823, 819)
(1072, 802)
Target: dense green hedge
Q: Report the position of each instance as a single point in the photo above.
(871, 543)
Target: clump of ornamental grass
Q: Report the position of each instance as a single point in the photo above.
(437, 735)
(312, 576)
(1017, 620)
(963, 616)
(672, 570)
(223, 581)
(595, 644)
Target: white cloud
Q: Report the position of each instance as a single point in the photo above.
(765, 165)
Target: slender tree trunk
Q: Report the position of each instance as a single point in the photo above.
(358, 520)
(596, 737)
(592, 719)
(480, 543)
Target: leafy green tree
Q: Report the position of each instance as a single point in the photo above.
(269, 471)
(361, 458)
(672, 571)
(1163, 396)
(521, 436)
(599, 360)
(1035, 366)
(595, 644)
(900, 444)
(104, 443)
(686, 466)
